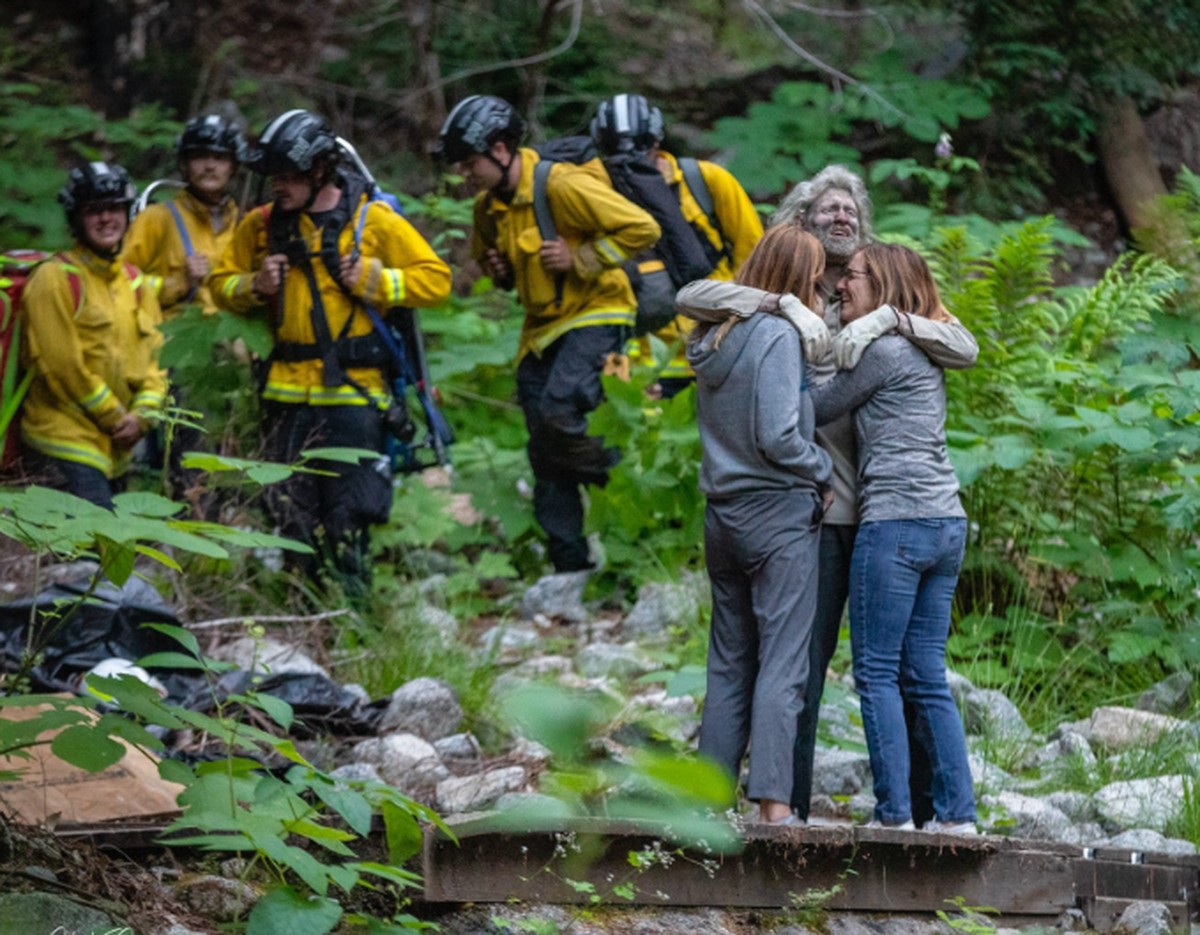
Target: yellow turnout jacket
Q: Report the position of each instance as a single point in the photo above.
(154, 246)
(401, 269)
(93, 363)
(603, 230)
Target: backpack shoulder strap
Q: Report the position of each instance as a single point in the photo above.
(545, 218)
(541, 201)
(187, 242)
(696, 184)
(181, 227)
(74, 281)
(699, 188)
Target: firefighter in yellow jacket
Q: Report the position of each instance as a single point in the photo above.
(628, 123)
(315, 257)
(579, 306)
(90, 335)
(176, 243)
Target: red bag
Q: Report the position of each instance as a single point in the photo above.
(15, 269)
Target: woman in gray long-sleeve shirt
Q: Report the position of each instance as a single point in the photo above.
(910, 543)
(763, 477)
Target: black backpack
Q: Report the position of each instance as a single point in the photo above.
(680, 255)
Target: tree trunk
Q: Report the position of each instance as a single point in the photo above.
(1129, 162)
(428, 109)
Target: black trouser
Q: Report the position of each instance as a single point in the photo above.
(82, 480)
(186, 483)
(836, 548)
(331, 511)
(557, 390)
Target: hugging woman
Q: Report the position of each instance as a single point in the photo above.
(764, 478)
(910, 543)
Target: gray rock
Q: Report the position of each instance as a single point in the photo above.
(987, 777)
(541, 667)
(433, 588)
(1078, 806)
(531, 751)
(28, 913)
(426, 707)
(660, 606)
(678, 717)
(960, 685)
(267, 655)
(357, 772)
(675, 922)
(1026, 817)
(608, 660)
(475, 793)
(1170, 696)
(405, 760)
(533, 802)
(178, 928)
(842, 721)
(1064, 750)
(218, 898)
(458, 747)
(557, 596)
(1146, 840)
(861, 806)
(840, 772)
(507, 640)
(1085, 834)
(440, 621)
(1072, 920)
(847, 924)
(990, 713)
(1141, 803)
(1145, 918)
(1116, 729)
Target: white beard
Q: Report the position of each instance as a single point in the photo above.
(838, 247)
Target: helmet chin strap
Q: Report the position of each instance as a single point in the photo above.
(318, 180)
(502, 166)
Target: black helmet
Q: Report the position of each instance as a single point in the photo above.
(626, 123)
(297, 141)
(212, 133)
(475, 124)
(96, 183)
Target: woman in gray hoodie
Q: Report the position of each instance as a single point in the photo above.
(764, 479)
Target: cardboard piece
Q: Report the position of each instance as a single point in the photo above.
(53, 791)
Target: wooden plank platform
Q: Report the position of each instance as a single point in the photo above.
(844, 868)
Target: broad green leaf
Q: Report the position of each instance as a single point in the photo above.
(402, 832)
(286, 911)
(299, 861)
(87, 747)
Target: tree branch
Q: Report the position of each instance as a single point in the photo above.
(757, 9)
(277, 618)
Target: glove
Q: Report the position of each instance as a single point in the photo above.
(855, 336)
(814, 336)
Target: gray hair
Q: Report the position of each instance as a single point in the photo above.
(798, 202)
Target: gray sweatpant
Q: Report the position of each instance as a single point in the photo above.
(761, 553)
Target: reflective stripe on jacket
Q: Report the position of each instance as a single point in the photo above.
(93, 365)
(602, 228)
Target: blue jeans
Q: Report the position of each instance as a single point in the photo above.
(902, 580)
